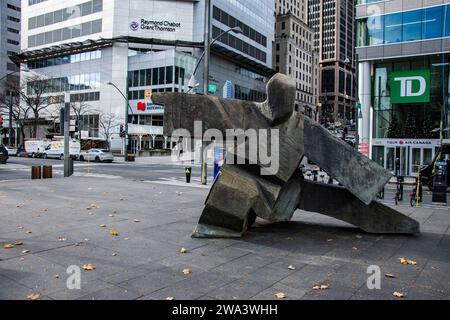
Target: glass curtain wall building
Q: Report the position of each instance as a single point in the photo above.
(404, 81)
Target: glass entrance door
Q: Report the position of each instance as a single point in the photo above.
(397, 160)
(420, 157)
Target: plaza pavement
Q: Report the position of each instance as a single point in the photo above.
(64, 222)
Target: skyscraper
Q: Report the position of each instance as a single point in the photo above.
(294, 54)
(9, 37)
(332, 22)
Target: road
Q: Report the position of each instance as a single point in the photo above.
(164, 172)
(20, 168)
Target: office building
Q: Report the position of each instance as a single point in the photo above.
(403, 48)
(332, 22)
(144, 46)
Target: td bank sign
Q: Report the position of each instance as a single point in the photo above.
(410, 86)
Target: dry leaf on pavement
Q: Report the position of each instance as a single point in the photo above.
(25, 251)
(389, 275)
(114, 232)
(103, 226)
(8, 246)
(62, 238)
(88, 267)
(280, 295)
(18, 243)
(321, 287)
(406, 261)
(186, 271)
(291, 267)
(183, 250)
(92, 206)
(398, 294)
(358, 236)
(33, 296)
(136, 220)
(170, 298)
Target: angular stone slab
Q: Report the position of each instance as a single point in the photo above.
(339, 203)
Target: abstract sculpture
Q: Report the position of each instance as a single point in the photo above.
(241, 192)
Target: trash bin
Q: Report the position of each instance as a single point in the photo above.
(131, 158)
(440, 182)
(47, 172)
(36, 172)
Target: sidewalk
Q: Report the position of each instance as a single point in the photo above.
(68, 222)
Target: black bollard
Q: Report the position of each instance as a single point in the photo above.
(188, 172)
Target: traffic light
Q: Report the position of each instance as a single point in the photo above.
(122, 131)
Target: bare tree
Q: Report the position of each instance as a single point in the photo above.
(108, 122)
(10, 100)
(35, 95)
(81, 108)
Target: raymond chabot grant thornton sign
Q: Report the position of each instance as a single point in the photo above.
(410, 86)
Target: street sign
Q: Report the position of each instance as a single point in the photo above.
(212, 88)
(410, 86)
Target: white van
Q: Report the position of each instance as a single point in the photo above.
(35, 148)
(55, 149)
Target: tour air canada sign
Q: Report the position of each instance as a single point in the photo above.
(410, 86)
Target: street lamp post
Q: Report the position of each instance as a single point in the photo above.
(206, 56)
(127, 107)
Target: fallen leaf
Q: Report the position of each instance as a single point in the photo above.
(62, 238)
(183, 250)
(291, 267)
(110, 215)
(389, 275)
(398, 294)
(179, 193)
(280, 295)
(170, 298)
(329, 240)
(56, 276)
(114, 254)
(19, 205)
(88, 267)
(103, 226)
(186, 271)
(358, 236)
(354, 248)
(33, 296)
(406, 261)
(25, 251)
(136, 220)
(29, 232)
(8, 246)
(321, 287)
(92, 206)
(19, 227)
(18, 243)
(114, 232)
(289, 238)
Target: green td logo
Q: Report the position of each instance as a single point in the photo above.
(410, 86)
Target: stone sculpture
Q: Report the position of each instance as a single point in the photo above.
(241, 193)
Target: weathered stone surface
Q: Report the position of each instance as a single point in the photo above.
(241, 192)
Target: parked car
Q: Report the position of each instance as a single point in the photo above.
(4, 155)
(12, 151)
(97, 155)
